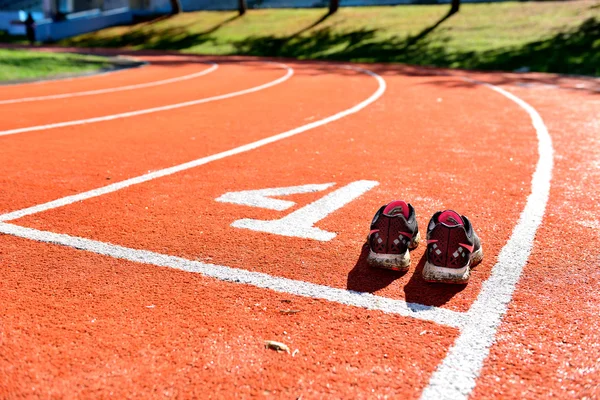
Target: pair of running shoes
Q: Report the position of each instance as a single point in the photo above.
(453, 247)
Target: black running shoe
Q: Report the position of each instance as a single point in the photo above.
(453, 248)
(394, 231)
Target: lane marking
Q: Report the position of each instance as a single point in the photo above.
(282, 79)
(301, 222)
(213, 68)
(283, 285)
(456, 376)
(201, 161)
(262, 197)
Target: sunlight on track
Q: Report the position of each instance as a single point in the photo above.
(207, 71)
(275, 82)
(204, 160)
(241, 276)
(456, 377)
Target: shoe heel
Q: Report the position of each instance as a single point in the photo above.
(395, 262)
(460, 276)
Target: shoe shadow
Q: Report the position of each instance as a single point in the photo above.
(417, 290)
(363, 278)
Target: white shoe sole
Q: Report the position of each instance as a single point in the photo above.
(433, 273)
(395, 262)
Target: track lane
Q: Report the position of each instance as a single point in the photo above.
(70, 160)
(78, 110)
(459, 147)
(547, 343)
(549, 335)
(211, 67)
(511, 160)
(163, 67)
(83, 325)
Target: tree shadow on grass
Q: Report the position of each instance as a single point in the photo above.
(412, 40)
(313, 25)
(147, 35)
(29, 62)
(357, 45)
(571, 52)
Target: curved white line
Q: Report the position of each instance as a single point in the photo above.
(224, 273)
(456, 376)
(201, 161)
(213, 67)
(277, 81)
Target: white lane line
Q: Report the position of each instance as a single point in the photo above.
(456, 376)
(201, 161)
(241, 276)
(284, 78)
(115, 89)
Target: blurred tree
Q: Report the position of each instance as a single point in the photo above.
(242, 7)
(335, 4)
(454, 7)
(55, 12)
(175, 7)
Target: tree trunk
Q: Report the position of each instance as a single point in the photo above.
(55, 10)
(175, 7)
(334, 5)
(242, 7)
(455, 6)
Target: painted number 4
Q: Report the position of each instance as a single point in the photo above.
(299, 223)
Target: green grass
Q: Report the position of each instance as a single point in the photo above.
(26, 64)
(545, 36)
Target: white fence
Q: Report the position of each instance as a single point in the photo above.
(47, 30)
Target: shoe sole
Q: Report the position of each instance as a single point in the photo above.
(394, 262)
(459, 276)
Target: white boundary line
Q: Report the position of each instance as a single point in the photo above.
(206, 71)
(456, 376)
(284, 78)
(201, 161)
(365, 300)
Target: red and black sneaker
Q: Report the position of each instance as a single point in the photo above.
(452, 248)
(394, 231)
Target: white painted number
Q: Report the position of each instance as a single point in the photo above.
(299, 223)
(261, 198)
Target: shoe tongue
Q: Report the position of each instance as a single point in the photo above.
(450, 218)
(397, 207)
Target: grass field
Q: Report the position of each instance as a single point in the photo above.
(25, 64)
(538, 36)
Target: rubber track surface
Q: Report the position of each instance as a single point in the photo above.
(74, 324)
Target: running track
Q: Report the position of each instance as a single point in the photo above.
(122, 275)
